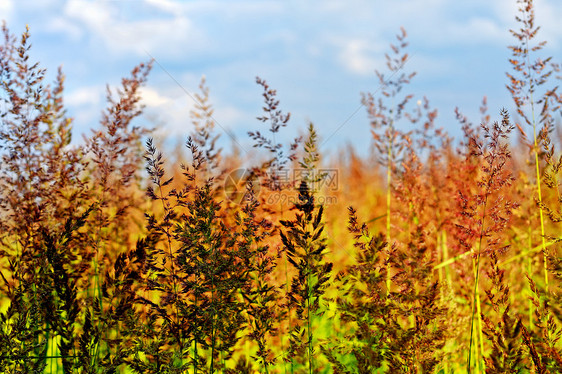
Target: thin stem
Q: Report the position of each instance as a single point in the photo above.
(213, 306)
(388, 201)
(287, 292)
(309, 332)
(97, 287)
(290, 317)
(440, 257)
(472, 337)
(195, 352)
(446, 257)
(529, 268)
(537, 169)
(172, 267)
(476, 298)
(543, 241)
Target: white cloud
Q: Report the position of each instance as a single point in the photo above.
(84, 105)
(360, 47)
(63, 25)
(152, 98)
(155, 36)
(90, 96)
(228, 116)
(6, 9)
(168, 108)
(105, 20)
(307, 46)
(96, 15)
(167, 6)
(360, 56)
(476, 30)
(487, 22)
(427, 65)
(548, 16)
(237, 8)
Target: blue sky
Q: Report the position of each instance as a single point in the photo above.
(319, 55)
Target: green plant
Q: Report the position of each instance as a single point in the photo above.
(199, 286)
(305, 251)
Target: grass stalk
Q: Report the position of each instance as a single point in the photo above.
(538, 173)
(539, 192)
(529, 271)
(537, 167)
(309, 319)
(440, 257)
(476, 296)
(388, 202)
(213, 304)
(287, 290)
(97, 286)
(172, 266)
(446, 257)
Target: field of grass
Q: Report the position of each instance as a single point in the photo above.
(430, 255)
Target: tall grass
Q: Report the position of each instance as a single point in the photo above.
(447, 259)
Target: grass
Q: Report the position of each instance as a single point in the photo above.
(447, 259)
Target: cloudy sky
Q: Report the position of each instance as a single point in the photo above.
(319, 55)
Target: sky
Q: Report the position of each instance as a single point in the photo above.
(319, 56)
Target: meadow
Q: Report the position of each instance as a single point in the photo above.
(429, 255)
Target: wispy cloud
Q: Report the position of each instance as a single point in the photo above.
(171, 106)
(550, 13)
(172, 7)
(85, 95)
(113, 23)
(360, 56)
(84, 105)
(6, 9)
(152, 98)
(319, 55)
